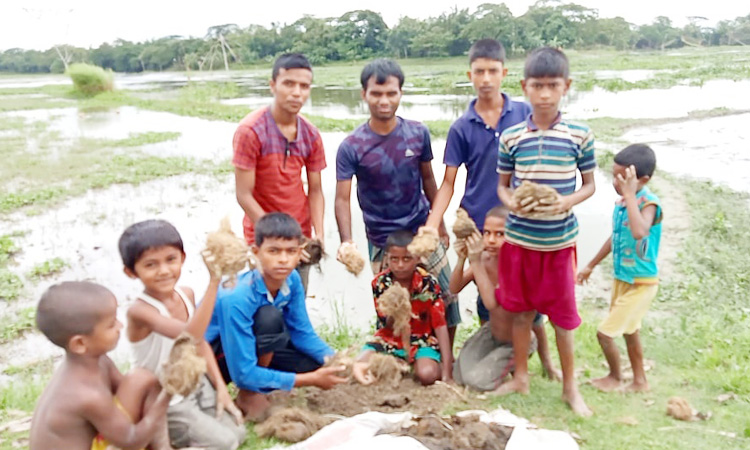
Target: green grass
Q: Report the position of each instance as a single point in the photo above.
(58, 169)
(134, 139)
(47, 268)
(13, 325)
(10, 284)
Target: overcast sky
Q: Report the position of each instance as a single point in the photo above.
(39, 24)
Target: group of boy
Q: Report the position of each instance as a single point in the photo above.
(258, 334)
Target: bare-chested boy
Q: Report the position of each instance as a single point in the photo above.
(88, 403)
(487, 356)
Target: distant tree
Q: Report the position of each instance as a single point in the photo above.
(401, 37)
(658, 35)
(360, 34)
(218, 34)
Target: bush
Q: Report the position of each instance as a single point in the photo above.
(88, 79)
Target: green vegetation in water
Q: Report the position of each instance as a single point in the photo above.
(47, 268)
(89, 79)
(10, 284)
(13, 325)
(134, 139)
(37, 179)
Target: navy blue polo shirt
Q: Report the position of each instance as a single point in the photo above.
(472, 142)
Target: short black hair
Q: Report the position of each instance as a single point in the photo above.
(142, 236)
(381, 69)
(488, 49)
(546, 62)
(290, 61)
(499, 211)
(399, 238)
(277, 225)
(639, 155)
(70, 308)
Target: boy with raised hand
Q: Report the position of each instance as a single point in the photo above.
(260, 331)
(473, 139)
(429, 343)
(538, 258)
(487, 356)
(88, 403)
(152, 252)
(636, 232)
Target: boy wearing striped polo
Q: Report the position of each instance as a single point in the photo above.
(538, 259)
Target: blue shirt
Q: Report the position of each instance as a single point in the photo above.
(474, 143)
(389, 178)
(635, 260)
(232, 321)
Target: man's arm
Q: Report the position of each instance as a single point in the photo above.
(342, 206)
(317, 203)
(244, 184)
(442, 197)
(430, 191)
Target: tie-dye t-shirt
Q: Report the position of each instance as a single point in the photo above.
(389, 181)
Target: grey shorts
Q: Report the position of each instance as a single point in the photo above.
(193, 423)
(484, 362)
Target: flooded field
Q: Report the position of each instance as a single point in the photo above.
(83, 230)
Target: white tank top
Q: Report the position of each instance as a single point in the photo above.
(153, 350)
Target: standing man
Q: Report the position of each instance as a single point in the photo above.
(474, 139)
(271, 145)
(391, 158)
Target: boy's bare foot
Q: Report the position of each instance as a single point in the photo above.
(606, 384)
(575, 400)
(514, 385)
(637, 387)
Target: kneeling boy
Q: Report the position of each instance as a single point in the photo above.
(260, 331)
(430, 348)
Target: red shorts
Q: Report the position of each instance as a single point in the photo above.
(531, 280)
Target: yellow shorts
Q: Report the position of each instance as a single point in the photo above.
(99, 443)
(629, 304)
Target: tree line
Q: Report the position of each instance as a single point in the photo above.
(363, 34)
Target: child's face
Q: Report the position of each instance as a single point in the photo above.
(159, 269)
(493, 234)
(106, 332)
(487, 76)
(401, 262)
(278, 257)
(545, 93)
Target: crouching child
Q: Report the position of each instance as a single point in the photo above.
(425, 343)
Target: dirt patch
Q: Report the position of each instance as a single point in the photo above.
(459, 433)
(351, 258)
(182, 372)
(386, 369)
(395, 303)
(531, 196)
(227, 252)
(679, 408)
(314, 248)
(424, 243)
(464, 226)
(291, 425)
(350, 399)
